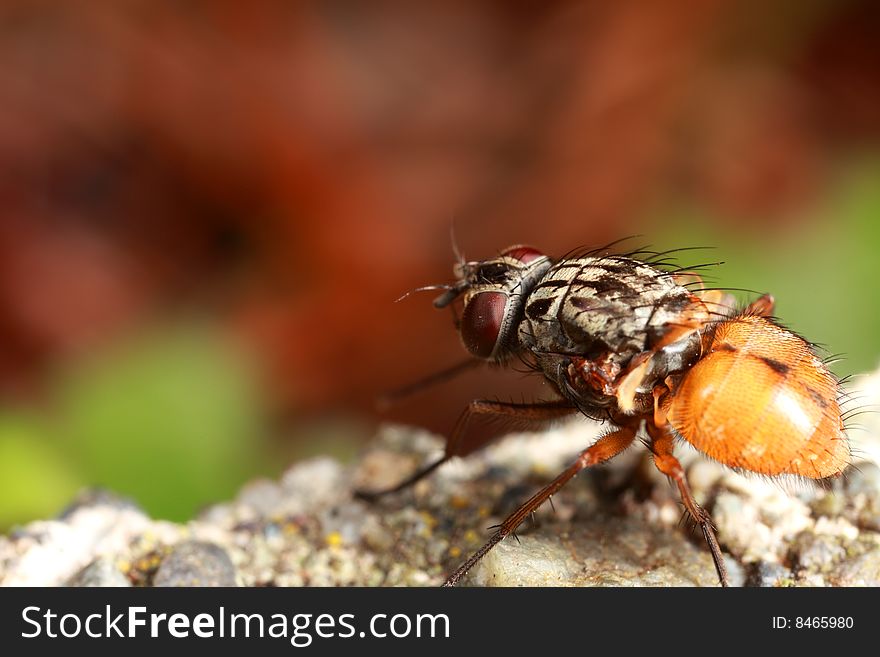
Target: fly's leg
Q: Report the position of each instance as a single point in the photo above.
(661, 447)
(762, 306)
(605, 448)
(536, 412)
(391, 398)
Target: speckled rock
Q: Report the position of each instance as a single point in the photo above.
(598, 553)
(766, 574)
(196, 563)
(101, 572)
(616, 525)
(51, 552)
(860, 570)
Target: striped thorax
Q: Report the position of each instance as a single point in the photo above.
(580, 321)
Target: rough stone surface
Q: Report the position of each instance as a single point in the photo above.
(618, 525)
(599, 552)
(766, 574)
(101, 572)
(195, 563)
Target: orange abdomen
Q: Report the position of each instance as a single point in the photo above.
(760, 400)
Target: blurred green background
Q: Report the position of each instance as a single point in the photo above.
(208, 209)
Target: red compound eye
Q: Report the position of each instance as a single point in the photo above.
(481, 322)
(525, 254)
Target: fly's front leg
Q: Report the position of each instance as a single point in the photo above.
(455, 445)
(389, 399)
(661, 447)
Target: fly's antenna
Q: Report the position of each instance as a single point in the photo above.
(459, 256)
(451, 294)
(424, 288)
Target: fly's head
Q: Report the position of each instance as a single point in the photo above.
(494, 294)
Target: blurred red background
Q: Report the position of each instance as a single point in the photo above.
(288, 169)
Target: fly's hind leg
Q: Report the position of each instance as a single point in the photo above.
(661, 447)
(607, 447)
(763, 306)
